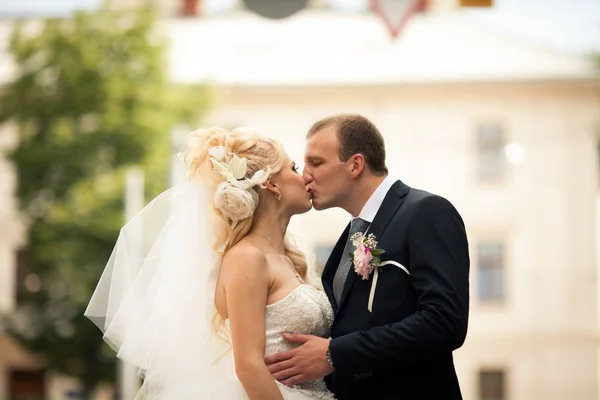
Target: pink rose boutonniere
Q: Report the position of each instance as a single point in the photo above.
(366, 256)
(366, 261)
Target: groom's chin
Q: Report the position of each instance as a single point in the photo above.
(317, 206)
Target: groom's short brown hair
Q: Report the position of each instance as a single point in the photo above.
(356, 134)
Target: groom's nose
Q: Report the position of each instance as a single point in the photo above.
(306, 176)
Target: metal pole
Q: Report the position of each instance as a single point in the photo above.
(128, 380)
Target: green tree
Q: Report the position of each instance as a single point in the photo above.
(91, 97)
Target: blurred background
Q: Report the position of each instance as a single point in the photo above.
(494, 105)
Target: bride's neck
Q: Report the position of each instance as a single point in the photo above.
(272, 230)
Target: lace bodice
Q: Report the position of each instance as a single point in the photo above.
(305, 310)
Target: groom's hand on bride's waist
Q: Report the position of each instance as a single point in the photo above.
(302, 364)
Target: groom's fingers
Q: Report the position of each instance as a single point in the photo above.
(284, 373)
(293, 380)
(278, 357)
(280, 366)
(297, 338)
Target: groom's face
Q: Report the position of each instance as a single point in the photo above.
(327, 178)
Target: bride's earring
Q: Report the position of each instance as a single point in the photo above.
(278, 196)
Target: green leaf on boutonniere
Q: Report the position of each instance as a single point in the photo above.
(377, 252)
(377, 261)
(351, 254)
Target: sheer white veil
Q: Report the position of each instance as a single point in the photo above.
(155, 299)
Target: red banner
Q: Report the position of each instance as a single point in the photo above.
(395, 13)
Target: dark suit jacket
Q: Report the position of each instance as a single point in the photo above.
(403, 348)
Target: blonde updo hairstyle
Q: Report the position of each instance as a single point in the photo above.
(261, 153)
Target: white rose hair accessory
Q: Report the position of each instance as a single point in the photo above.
(235, 197)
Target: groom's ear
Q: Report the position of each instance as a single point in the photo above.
(357, 165)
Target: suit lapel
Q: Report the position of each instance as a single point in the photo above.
(331, 266)
(391, 203)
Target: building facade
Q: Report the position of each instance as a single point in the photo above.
(506, 130)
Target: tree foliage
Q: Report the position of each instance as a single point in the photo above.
(90, 98)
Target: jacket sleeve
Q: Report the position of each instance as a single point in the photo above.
(439, 265)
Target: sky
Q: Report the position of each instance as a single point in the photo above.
(564, 25)
(44, 7)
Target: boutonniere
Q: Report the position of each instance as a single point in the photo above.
(366, 254)
(367, 261)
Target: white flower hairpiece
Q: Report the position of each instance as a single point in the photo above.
(219, 153)
(235, 196)
(235, 171)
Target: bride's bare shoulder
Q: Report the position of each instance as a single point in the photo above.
(244, 267)
(245, 253)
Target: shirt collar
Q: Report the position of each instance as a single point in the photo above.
(372, 205)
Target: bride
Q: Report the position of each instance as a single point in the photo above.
(203, 282)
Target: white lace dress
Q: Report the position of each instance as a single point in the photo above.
(306, 310)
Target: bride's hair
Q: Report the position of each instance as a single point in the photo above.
(261, 153)
(231, 220)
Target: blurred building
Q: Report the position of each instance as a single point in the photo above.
(19, 370)
(505, 129)
(21, 373)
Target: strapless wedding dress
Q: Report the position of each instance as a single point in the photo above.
(306, 310)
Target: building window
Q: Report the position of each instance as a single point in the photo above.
(490, 269)
(322, 253)
(492, 385)
(490, 151)
(26, 385)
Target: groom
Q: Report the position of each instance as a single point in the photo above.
(394, 332)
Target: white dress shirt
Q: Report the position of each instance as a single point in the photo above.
(372, 205)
